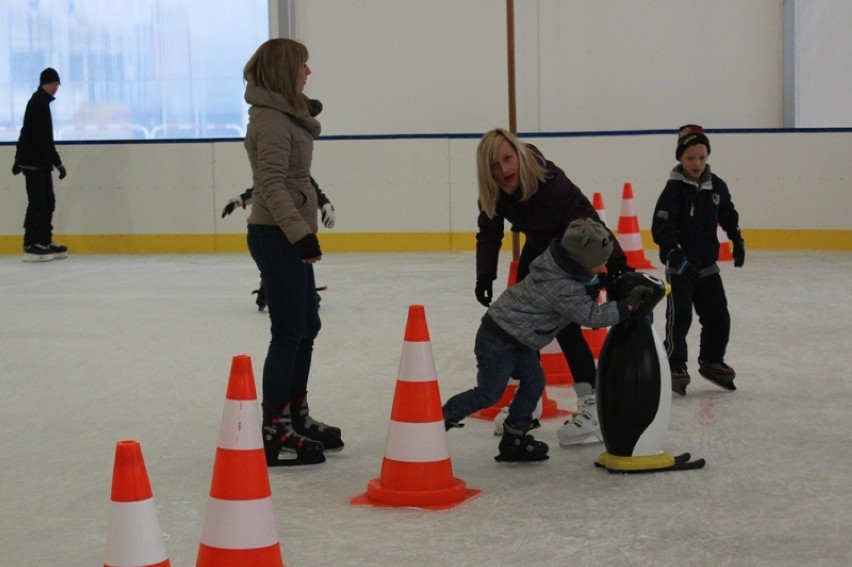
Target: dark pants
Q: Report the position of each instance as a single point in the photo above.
(571, 341)
(41, 203)
(707, 295)
(291, 301)
(498, 360)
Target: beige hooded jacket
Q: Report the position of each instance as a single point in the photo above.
(280, 143)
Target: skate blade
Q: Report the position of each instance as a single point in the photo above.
(505, 459)
(679, 386)
(726, 383)
(587, 440)
(291, 459)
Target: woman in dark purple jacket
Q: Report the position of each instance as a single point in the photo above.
(517, 184)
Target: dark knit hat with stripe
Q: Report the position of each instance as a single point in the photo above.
(690, 135)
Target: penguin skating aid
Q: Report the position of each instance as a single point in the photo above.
(634, 388)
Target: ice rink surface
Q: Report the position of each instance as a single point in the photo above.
(96, 349)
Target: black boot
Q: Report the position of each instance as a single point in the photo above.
(283, 445)
(305, 425)
(518, 446)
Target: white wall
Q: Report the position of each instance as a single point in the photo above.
(439, 66)
(822, 64)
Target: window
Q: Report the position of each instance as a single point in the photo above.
(131, 70)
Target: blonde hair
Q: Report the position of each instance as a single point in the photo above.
(531, 169)
(275, 67)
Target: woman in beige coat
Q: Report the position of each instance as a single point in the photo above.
(282, 240)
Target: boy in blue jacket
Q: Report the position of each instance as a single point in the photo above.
(692, 204)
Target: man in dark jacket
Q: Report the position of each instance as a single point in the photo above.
(36, 156)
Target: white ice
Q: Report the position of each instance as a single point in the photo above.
(96, 349)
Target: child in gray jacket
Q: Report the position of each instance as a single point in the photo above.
(561, 288)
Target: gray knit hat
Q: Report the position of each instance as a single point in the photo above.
(587, 242)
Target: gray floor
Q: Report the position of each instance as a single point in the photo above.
(96, 349)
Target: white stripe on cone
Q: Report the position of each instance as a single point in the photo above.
(627, 209)
(246, 434)
(630, 241)
(134, 538)
(417, 364)
(417, 442)
(239, 524)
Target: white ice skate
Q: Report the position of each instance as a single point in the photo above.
(583, 425)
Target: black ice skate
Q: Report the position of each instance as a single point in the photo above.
(518, 446)
(305, 425)
(680, 380)
(284, 447)
(719, 373)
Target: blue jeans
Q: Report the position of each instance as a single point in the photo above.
(293, 311)
(497, 361)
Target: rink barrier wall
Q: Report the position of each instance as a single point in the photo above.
(409, 193)
(824, 240)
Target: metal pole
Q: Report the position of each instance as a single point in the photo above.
(513, 126)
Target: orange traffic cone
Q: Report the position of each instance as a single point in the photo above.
(135, 538)
(629, 236)
(725, 254)
(239, 528)
(598, 204)
(416, 470)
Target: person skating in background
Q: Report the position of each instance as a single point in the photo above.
(524, 319)
(282, 240)
(36, 157)
(325, 207)
(517, 184)
(692, 204)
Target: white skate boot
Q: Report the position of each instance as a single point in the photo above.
(582, 425)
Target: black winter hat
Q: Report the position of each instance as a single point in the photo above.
(49, 75)
(587, 242)
(690, 135)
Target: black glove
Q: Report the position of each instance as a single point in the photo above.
(616, 267)
(484, 291)
(308, 247)
(739, 253)
(233, 204)
(678, 264)
(637, 295)
(62, 172)
(16, 169)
